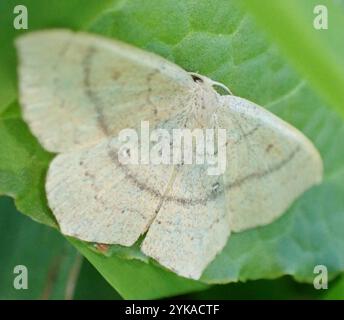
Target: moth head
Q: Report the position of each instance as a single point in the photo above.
(207, 82)
(205, 99)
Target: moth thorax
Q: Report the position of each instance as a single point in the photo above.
(206, 103)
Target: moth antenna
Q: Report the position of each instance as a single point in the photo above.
(199, 77)
(221, 85)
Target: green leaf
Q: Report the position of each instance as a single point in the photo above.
(134, 279)
(49, 259)
(219, 39)
(335, 290)
(281, 289)
(55, 269)
(92, 286)
(318, 54)
(23, 165)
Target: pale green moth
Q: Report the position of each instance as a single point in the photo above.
(79, 90)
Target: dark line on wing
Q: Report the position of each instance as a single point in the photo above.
(113, 154)
(90, 93)
(211, 196)
(262, 174)
(247, 134)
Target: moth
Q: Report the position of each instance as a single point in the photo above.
(78, 90)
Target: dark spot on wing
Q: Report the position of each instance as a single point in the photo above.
(115, 75)
(269, 147)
